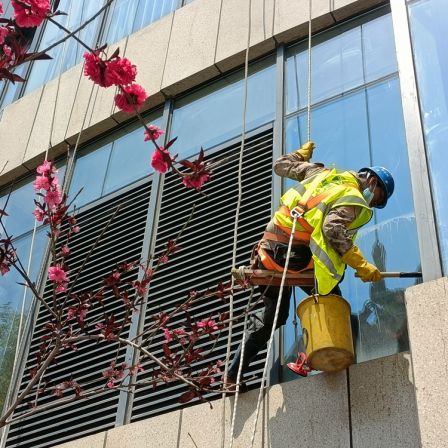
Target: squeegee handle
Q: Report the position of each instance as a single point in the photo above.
(399, 275)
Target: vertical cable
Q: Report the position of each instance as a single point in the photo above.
(310, 6)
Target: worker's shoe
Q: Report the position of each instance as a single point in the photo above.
(301, 366)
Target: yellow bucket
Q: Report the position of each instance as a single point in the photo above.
(327, 332)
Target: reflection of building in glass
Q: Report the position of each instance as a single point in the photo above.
(369, 66)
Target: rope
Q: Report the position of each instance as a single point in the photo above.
(274, 324)
(235, 241)
(310, 6)
(288, 254)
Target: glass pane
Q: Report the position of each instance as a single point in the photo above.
(339, 64)
(11, 296)
(88, 175)
(130, 158)
(20, 208)
(338, 139)
(360, 130)
(378, 48)
(336, 66)
(128, 16)
(428, 27)
(70, 52)
(214, 114)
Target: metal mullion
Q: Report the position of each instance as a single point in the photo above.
(125, 402)
(430, 256)
(276, 185)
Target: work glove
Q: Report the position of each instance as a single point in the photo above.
(366, 271)
(306, 151)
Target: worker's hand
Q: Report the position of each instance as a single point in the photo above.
(306, 151)
(366, 271)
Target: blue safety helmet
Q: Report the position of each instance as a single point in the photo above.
(385, 180)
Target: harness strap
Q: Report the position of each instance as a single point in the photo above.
(271, 265)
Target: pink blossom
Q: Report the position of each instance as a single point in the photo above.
(30, 13)
(153, 131)
(41, 183)
(57, 274)
(46, 168)
(1, 8)
(39, 214)
(75, 229)
(65, 251)
(4, 268)
(131, 98)
(53, 198)
(3, 33)
(207, 324)
(61, 287)
(7, 50)
(95, 69)
(161, 160)
(120, 71)
(195, 180)
(167, 335)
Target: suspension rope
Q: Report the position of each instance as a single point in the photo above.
(288, 254)
(310, 13)
(274, 324)
(235, 242)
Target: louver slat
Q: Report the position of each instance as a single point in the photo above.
(122, 242)
(205, 256)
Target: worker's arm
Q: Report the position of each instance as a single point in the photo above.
(296, 165)
(335, 229)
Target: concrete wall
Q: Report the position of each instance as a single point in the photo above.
(194, 44)
(372, 407)
(427, 309)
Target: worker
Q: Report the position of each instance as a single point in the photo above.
(331, 206)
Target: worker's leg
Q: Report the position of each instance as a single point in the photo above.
(257, 340)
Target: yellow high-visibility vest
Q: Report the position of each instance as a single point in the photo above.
(335, 189)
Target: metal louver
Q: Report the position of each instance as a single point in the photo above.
(122, 242)
(204, 257)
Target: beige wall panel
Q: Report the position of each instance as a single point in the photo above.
(342, 9)
(233, 31)
(160, 432)
(81, 110)
(95, 441)
(191, 51)
(383, 411)
(291, 18)
(306, 412)
(147, 49)
(427, 309)
(15, 126)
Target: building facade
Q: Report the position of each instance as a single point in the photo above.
(379, 82)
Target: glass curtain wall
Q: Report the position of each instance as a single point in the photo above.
(428, 23)
(15, 301)
(357, 122)
(113, 162)
(128, 16)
